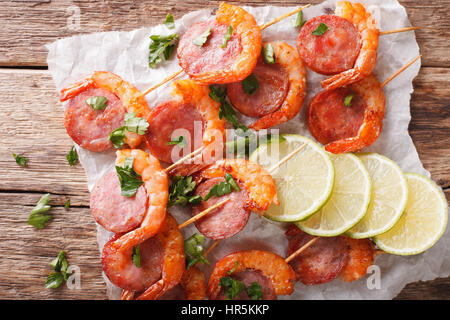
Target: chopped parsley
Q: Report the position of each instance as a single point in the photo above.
(348, 100)
(60, 266)
(201, 39)
(320, 30)
(250, 84)
(180, 141)
(180, 191)
(97, 102)
(223, 187)
(132, 124)
(136, 256)
(232, 287)
(161, 47)
(20, 160)
(298, 21)
(269, 55)
(170, 23)
(227, 37)
(193, 248)
(129, 179)
(72, 156)
(38, 216)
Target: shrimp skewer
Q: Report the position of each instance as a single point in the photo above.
(355, 126)
(91, 128)
(282, 88)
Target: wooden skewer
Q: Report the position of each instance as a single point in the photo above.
(174, 75)
(203, 213)
(284, 16)
(300, 250)
(385, 82)
(289, 156)
(211, 248)
(382, 33)
(183, 159)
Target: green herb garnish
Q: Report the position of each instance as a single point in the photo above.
(227, 37)
(60, 266)
(136, 256)
(72, 156)
(226, 111)
(236, 263)
(161, 47)
(298, 21)
(180, 191)
(117, 136)
(250, 84)
(218, 94)
(269, 55)
(232, 287)
(135, 124)
(38, 216)
(254, 291)
(193, 248)
(223, 187)
(170, 23)
(180, 141)
(201, 39)
(67, 204)
(97, 103)
(348, 100)
(129, 179)
(20, 160)
(320, 30)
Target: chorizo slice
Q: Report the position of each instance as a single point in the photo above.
(91, 128)
(113, 211)
(214, 63)
(329, 119)
(335, 51)
(322, 262)
(225, 221)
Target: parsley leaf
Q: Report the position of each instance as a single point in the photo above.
(180, 191)
(38, 216)
(201, 39)
(161, 46)
(298, 21)
(117, 136)
(232, 287)
(97, 102)
(136, 256)
(226, 111)
(67, 204)
(223, 187)
(60, 266)
(320, 30)
(236, 263)
(348, 100)
(193, 248)
(135, 124)
(72, 156)
(180, 141)
(269, 55)
(170, 24)
(254, 291)
(227, 37)
(21, 161)
(250, 84)
(129, 179)
(218, 94)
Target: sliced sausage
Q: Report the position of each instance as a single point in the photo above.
(322, 262)
(273, 83)
(225, 221)
(113, 211)
(91, 128)
(130, 277)
(332, 52)
(329, 119)
(210, 56)
(248, 277)
(164, 120)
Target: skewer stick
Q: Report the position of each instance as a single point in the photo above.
(284, 16)
(382, 33)
(289, 156)
(300, 250)
(211, 248)
(174, 75)
(385, 82)
(203, 213)
(183, 159)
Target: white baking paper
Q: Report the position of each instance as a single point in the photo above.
(125, 54)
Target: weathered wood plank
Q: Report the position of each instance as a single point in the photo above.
(26, 27)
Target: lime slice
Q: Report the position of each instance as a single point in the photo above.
(389, 196)
(423, 222)
(304, 182)
(349, 200)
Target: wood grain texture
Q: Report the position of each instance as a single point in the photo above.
(32, 124)
(29, 25)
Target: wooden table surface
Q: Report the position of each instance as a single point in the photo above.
(32, 124)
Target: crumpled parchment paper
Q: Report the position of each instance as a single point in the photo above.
(126, 54)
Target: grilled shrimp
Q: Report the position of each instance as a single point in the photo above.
(367, 58)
